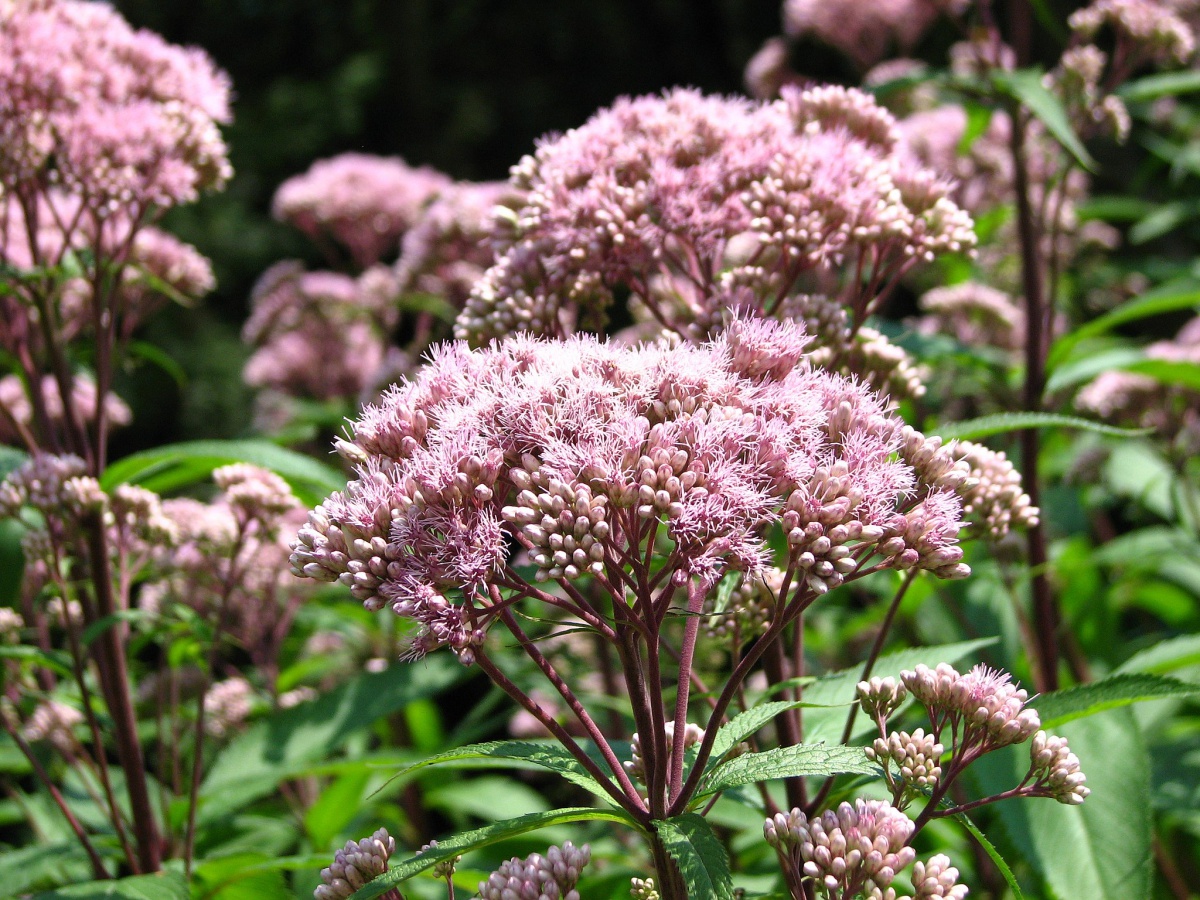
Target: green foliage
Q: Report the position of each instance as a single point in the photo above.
(1116, 690)
(166, 886)
(701, 859)
(787, 762)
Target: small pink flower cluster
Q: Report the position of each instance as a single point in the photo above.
(700, 204)
(574, 449)
(538, 877)
(117, 116)
(364, 203)
(356, 864)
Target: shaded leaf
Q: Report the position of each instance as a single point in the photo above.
(993, 854)
(1165, 656)
(787, 762)
(1025, 86)
(1171, 297)
(1166, 84)
(1116, 690)
(702, 861)
(164, 886)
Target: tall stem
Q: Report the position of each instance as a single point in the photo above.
(1037, 318)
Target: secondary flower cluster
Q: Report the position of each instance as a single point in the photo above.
(537, 877)
(699, 204)
(115, 115)
(575, 449)
(356, 864)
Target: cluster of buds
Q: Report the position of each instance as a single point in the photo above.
(1054, 770)
(993, 501)
(1146, 30)
(917, 758)
(55, 722)
(537, 877)
(880, 697)
(984, 703)
(692, 735)
(355, 865)
(851, 851)
(565, 524)
(750, 606)
(937, 880)
(643, 889)
(227, 706)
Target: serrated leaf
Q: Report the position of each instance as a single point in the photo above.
(164, 886)
(1004, 423)
(744, 724)
(1116, 690)
(701, 858)
(993, 854)
(1087, 366)
(404, 869)
(787, 762)
(1165, 656)
(169, 468)
(1166, 84)
(524, 754)
(1025, 86)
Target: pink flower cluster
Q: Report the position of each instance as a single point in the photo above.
(574, 449)
(364, 203)
(697, 204)
(118, 117)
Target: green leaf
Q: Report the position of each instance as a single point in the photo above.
(292, 740)
(1114, 208)
(1165, 656)
(837, 688)
(102, 625)
(1167, 84)
(1164, 219)
(1100, 850)
(1109, 693)
(12, 561)
(519, 754)
(165, 886)
(1184, 374)
(404, 869)
(993, 854)
(1176, 295)
(10, 459)
(745, 724)
(1025, 86)
(702, 861)
(159, 358)
(787, 762)
(1087, 365)
(54, 660)
(169, 468)
(1004, 423)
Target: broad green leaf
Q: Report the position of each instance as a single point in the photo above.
(1184, 374)
(1166, 656)
(488, 798)
(165, 886)
(1114, 208)
(837, 688)
(701, 859)
(787, 762)
(743, 725)
(520, 754)
(1004, 423)
(336, 808)
(1163, 220)
(1025, 86)
(1085, 366)
(993, 854)
(291, 740)
(46, 862)
(1177, 295)
(1116, 690)
(169, 468)
(1100, 850)
(1167, 84)
(402, 870)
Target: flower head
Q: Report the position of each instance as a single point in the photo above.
(537, 877)
(356, 864)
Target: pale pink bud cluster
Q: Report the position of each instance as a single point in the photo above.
(865, 31)
(993, 501)
(364, 203)
(1077, 79)
(917, 757)
(936, 879)
(656, 194)
(643, 889)
(318, 334)
(537, 877)
(568, 447)
(11, 624)
(1148, 30)
(115, 115)
(51, 485)
(692, 735)
(986, 704)
(55, 722)
(227, 705)
(64, 613)
(355, 865)
(973, 314)
(851, 851)
(1055, 770)
(880, 697)
(255, 494)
